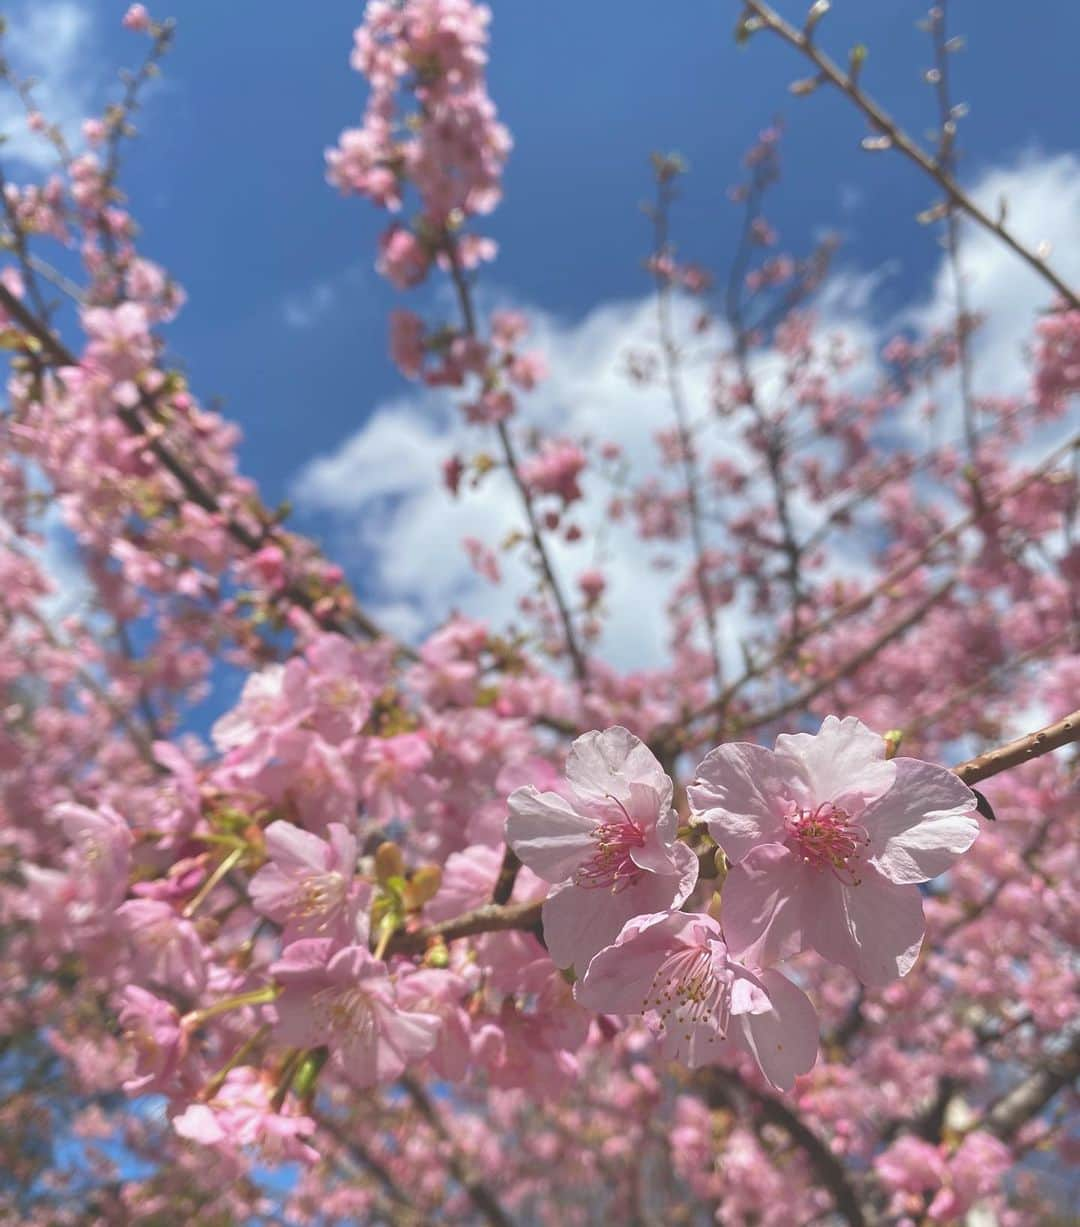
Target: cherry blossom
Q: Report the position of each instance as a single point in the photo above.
(675, 967)
(828, 841)
(609, 850)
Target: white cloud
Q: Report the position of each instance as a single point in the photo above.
(397, 524)
(1043, 204)
(54, 42)
(312, 304)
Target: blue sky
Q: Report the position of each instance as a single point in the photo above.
(286, 319)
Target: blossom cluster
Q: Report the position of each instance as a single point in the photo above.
(827, 840)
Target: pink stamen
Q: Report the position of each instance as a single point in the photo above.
(827, 838)
(686, 992)
(611, 865)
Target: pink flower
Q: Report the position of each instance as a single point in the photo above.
(165, 948)
(403, 260)
(346, 1000)
(407, 342)
(675, 968)
(975, 1172)
(310, 886)
(829, 842)
(555, 470)
(242, 1114)
(611, 851)
(440, 993)
(152, 1028)
(102, 851)
(136, 18)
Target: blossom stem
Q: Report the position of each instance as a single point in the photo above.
(252, 1041)
(257, 996)
(215, 877)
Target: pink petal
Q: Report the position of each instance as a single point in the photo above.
(875, 928)
(579, 921)
(762, 905)
(739, 792)
(620, 977)
(548, 836)
(602, 765)
(784, 1039)
(292, 849)
(843, 762)
(922, 824)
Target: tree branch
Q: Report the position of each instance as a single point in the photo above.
(1061, 733)
(881, 122)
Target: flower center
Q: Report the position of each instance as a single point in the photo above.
(319, 895)
(346, 1013)
(611, 866)
(827, 838)
(686, 991)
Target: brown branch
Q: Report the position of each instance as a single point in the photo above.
(880, 121)
(468, 316)
(1061, 733)
(727, 1089)
(1027, 1099)
(481, 1196)
(508, 872)
(847, 667)
(491, 918)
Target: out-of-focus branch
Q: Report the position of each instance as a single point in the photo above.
(687, 448)
(772, 438)
(364, 1159)
(468, 317)
(1061, 733)
(766, 17)
(1027, 1099)
(900, 572)
(726, 1089)
(946, 159)
(847, 667)
(482, 1197)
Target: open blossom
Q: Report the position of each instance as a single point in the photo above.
(610, 851)
(346, 1001)
(241, 1113)
(309, 885)
(675, 968)
(165, 948)
(829, 841)
(153, 1028)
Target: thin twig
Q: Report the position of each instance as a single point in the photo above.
(829, 71)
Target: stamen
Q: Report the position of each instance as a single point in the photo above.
(319, 895)
(611, 864)
(687, 992)
(826, 838)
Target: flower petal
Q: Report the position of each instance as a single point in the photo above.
(547, 834)
(578, 921)
(602, 765)
(619, 979)
(844, 762)
(875, 928)
(762, 905)
(784, 1039)
(922, 824)
(740, 791)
